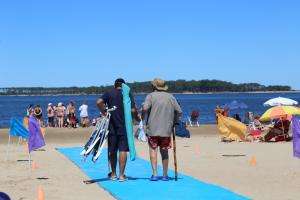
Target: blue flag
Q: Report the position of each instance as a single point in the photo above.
(17, 129)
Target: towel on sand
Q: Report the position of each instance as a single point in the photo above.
(231, 129)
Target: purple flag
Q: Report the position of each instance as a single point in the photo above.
(296, 136)
(36, 139)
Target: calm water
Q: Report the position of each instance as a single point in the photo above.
(15, 106)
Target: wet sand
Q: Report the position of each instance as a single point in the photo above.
(276, 174)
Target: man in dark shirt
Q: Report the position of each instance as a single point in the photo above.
(117, 137)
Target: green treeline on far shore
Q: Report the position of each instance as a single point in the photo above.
(178, 86)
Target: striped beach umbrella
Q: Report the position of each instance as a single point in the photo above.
(280, 112)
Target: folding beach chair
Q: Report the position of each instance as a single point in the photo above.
(98, 137)
(193, 119)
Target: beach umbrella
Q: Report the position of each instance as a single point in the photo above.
(236, 105)
(279, 112)
(280, 101)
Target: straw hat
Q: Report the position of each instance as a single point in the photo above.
(37, 111)
(159, 84)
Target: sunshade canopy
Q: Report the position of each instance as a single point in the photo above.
(279, 112)
(280, 101)
(236, 105)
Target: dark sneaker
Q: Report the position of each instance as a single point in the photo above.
(154, 178)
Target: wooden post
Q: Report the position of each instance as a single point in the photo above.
(7, 148)
(29, 160)
(175, 156)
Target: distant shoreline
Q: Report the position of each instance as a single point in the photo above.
(181, 86)
(186, 93)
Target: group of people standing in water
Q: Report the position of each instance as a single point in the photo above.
(61, 116)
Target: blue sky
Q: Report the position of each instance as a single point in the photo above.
(83, 43)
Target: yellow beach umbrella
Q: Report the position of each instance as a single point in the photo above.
(279, 112)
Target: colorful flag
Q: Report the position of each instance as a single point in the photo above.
(296, 136)
(36, 139)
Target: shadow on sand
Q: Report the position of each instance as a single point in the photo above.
(128, 179)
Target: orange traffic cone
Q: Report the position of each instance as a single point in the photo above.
(41, 194)
(142, 154)
(34, 165)
(253, 161)
(197, 150)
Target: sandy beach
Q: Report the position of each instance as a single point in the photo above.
(275, 175)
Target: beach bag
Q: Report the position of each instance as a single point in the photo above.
(181, 131)
(141, 136)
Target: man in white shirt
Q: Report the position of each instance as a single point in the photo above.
(84, 116)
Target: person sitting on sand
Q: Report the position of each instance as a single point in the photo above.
(117, 137)
(257, 124)
(281, 127)
(237, 117)
(162, 108)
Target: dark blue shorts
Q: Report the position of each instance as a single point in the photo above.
(117, 143)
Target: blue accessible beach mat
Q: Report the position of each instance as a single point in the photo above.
(139, 187)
